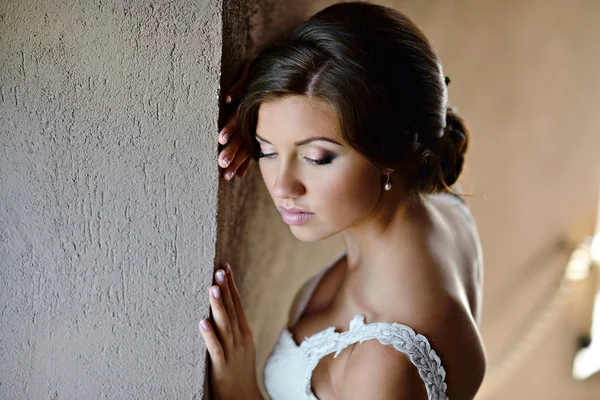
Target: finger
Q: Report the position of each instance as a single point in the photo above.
(240, 157)
(241, 171)
(237, 301)
(228, 155)
(221, 278)
(224, 136)
(227, 158)
(215, 350)
(228, 129)
(222, 325)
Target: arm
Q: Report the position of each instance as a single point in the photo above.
(377, 371)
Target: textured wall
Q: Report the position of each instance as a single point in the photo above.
(107, 197)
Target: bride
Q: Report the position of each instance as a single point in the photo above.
(349, 121)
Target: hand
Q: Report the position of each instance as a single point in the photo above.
(230, 344)
(235, 156)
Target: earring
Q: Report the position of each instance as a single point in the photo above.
(387, 185)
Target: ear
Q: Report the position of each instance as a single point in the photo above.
(385, 171)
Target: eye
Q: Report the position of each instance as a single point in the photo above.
(322, 161)
(266, 155)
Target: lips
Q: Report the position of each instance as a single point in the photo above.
(294, 210)
(295, 216)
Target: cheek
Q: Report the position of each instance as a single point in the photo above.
(351, 193)
(268, 175)
(339, 195)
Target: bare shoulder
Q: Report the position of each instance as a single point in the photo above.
(452, 332)
(428, 283)
(380, 371)
(438, 311)
(430, 299)
(375, 371)
(458, 242)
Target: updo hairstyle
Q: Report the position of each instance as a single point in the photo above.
(381, 77)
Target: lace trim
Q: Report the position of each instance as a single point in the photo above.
(402, 337)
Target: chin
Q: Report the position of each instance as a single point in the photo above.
(308, 234)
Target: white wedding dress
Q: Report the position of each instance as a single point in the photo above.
(288, 371)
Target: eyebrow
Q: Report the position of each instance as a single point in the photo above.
(305, 141)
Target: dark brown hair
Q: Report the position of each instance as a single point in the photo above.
(380, 75)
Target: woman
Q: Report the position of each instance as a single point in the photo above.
(349, 121)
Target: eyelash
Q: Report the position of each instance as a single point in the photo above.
(324, 161)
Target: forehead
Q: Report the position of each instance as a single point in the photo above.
(295, 118)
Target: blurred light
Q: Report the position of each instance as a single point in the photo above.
(595, 248)
(578, 267)
(587, 360)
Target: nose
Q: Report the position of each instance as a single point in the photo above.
(287, 184)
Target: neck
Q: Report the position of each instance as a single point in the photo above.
(395, 217)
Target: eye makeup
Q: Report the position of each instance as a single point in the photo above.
(321, 161)
(265, 155)
(315, 161)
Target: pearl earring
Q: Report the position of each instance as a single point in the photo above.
(387, 185)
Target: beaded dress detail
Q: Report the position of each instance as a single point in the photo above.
(288, 372)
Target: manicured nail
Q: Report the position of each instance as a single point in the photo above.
(216, 292)
(226, 162)
(204, 324)
(226, 267)
(223, 136)
(229, 175)
(228, 99)
(220, 276)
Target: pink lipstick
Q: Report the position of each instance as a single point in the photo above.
(295, 216)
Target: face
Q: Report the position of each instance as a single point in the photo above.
(320, 185)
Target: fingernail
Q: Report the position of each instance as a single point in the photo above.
(226, 267)
(216, 292)
(226, 136)
(220, 276)
(228, 175)
(204, 324)
(226, 161)
(228, 99)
